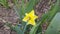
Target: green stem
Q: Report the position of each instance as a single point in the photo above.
(24, 28)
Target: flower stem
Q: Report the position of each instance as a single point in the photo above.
(24, 29)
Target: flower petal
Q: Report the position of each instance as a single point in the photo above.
(32, 22)
(25, 18)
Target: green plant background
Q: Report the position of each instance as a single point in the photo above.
(53, 17)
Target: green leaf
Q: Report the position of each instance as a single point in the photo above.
(54, 27)
(18, 29)
(33, 31)
(4, 3)
(30, 5)
(53, 10)
(17, 9)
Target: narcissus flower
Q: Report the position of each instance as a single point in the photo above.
(30, 18)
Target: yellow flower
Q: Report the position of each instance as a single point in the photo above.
(30, 18)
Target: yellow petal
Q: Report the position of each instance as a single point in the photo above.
(25, 18)
(32, 22)
(32, 12)
(35, 17)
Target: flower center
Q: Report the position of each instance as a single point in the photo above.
(28, 19)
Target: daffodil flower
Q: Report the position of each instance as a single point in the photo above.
(30, 18)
